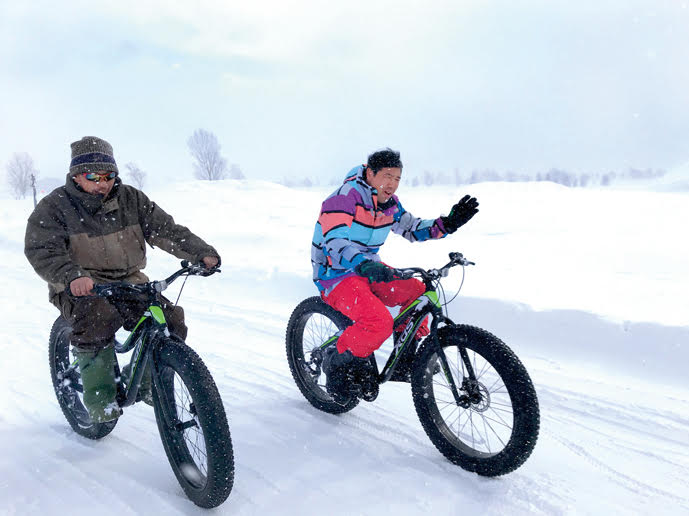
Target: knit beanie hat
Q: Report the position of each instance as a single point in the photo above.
(91, 154)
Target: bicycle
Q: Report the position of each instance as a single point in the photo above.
(473, 396)
(188, 409)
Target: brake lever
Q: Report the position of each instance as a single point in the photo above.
(199, 269)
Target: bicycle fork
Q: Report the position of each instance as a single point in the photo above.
(170, 417)
(469, 382)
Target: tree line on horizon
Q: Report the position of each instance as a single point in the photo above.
(554, 175)
(208, 164)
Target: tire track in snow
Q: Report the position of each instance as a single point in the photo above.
(622, 479)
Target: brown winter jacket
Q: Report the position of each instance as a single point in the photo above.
(72, 233)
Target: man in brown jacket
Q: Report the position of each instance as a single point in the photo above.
(94, 229)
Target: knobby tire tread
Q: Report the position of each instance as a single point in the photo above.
(180, 358)
(295, 353)
(519, 386)
(58, 355)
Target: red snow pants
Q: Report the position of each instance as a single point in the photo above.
(365, 304)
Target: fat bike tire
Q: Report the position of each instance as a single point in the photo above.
(66, 380)
(192, 424)
(312, 322)
(497, 431)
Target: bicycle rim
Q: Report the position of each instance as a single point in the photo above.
(68, 385)
(194, 458)
(485, 427)
(317, 329)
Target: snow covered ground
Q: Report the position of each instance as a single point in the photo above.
(589, 288)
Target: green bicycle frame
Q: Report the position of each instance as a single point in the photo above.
(150, 325)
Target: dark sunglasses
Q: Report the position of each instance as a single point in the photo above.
(97, 178)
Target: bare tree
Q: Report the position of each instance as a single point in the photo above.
(33, 188)
(205, 149)
(236, 172)
(21, 174)
(137, 176)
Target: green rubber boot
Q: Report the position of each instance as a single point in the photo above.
(98, 378)
(145, 393)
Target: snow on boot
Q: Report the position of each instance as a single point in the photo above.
(97, 368)
(403, 368)
(364, 373)
(145, 393)
(336, 368)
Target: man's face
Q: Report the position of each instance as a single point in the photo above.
(385, 181)
(101, 187)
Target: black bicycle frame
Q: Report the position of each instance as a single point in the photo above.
(425, 305)
(414, 314)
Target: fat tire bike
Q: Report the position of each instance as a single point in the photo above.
(473, 396)
(188, 409)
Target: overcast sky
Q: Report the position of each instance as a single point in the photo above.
(310, 88)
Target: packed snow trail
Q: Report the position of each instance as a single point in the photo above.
(612, 395)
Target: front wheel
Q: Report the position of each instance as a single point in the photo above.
(66, 378)
(192, 424)
(494, 427)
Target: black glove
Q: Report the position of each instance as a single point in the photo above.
(460, 213)
(374, 271)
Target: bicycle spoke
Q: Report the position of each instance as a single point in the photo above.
(486, 432)
(493, 430)
(317, 329)
(189, 426)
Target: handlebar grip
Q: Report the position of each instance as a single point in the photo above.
(400, 274)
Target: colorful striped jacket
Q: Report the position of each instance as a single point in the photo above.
(352, 226)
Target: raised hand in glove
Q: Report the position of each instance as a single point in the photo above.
(374, 271)
(460, 213)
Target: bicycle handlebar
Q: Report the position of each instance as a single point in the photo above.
(152, 287)
(434, 274)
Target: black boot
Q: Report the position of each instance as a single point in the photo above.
(402, 372)
(347, 375)
(336, 367)
(364, 374)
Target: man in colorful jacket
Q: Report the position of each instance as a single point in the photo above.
(94, 229)
(353, 224)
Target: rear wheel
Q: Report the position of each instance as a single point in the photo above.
(192, 424)
(311, 324)
(494, 427)
(66, 378)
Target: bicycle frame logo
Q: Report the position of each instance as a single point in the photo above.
(413, 323)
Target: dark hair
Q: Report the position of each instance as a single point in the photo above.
(386, 158)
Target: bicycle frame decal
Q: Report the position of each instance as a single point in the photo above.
(127, 345)
(403, 313)
(410, 329)
(412, 326)
(138, 352)
(157, 314)
(433, 296)
(430, 295)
